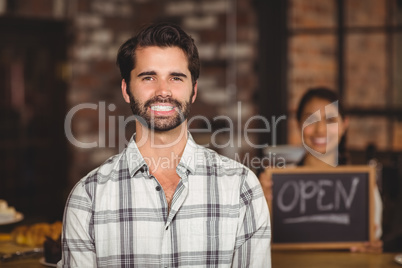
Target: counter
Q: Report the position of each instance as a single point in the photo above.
(280, 259)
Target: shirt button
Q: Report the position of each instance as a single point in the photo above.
(158, 188)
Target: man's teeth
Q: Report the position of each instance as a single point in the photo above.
(162, 108)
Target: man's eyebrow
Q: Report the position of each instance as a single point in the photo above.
(178, 74)
(146, 73)
(154, 73)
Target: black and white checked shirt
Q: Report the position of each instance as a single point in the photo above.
(117, 215)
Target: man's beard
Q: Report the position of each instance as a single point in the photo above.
(160, 123)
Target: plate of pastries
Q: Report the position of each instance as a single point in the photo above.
(42, 234)
(35, 235)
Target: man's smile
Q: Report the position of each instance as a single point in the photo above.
(162, 108)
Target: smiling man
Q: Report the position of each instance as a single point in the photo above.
(165, 201)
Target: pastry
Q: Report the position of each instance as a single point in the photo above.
(35, 235)
(6, 213)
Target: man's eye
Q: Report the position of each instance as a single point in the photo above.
(147, 78)
(176, 78)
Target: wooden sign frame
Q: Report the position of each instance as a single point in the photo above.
(338, 170)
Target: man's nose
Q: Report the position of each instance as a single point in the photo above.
(163, 89)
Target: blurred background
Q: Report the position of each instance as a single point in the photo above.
(257, 58)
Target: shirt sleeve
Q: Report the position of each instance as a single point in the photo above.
(253, 241)
(78, 248)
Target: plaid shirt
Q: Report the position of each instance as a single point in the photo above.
(117, 216)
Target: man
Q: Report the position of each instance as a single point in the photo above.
(165, 201)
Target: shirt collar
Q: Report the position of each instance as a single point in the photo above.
(188, 159)
(187, 162)
(135, 161)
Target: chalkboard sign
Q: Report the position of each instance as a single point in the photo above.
(322, 208)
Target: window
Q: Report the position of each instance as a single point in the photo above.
(354, 47)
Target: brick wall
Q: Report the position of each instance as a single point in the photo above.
(369, 59)
(224, 32)
(226, 35)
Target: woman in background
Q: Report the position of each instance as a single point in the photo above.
(323, 125)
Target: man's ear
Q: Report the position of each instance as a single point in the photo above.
(124, 91)
(195, 90)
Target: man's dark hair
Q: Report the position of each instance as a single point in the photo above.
(161, 35)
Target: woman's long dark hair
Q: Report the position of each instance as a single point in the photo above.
(330, 96)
